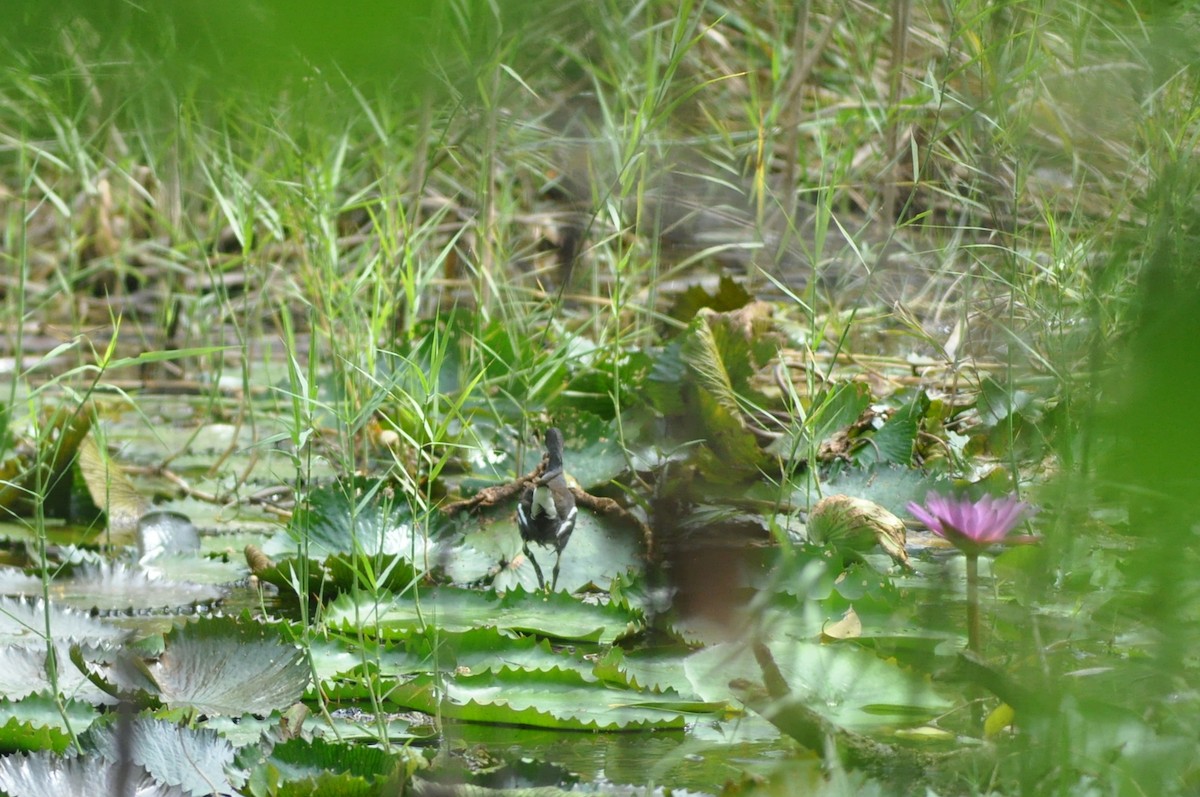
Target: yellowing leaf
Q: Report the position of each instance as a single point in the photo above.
(849, 627)
(1000, 718)
(109, 487)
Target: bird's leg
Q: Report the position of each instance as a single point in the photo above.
(554, 573)
(536, 568)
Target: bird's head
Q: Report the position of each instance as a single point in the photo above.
(554, 449)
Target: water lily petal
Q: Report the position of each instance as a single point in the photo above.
(968, 524)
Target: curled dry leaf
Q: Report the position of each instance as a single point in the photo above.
(849, 627)
(859, 525)
(110, 488)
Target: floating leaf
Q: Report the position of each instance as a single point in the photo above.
(24, 671)
(847, 685)
(729, 295)
(593, 456)
(824, 433)
(551, 699)
(890, 486)
(664, 384)
(488, 650)
(893, 442)
(357, 517)
(707, 363)
(24, 622)
(61, 430)
(196, 760)
(849, 627)
(658, 670)
(37, 723)
(48, 775)
(557, 615)
(217, 666)
(317, 767)
(120, 588)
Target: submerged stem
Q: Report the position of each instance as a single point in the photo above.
(973, 603)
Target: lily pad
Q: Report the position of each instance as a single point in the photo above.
(551, 699)
(847, 685)
(47, 775)
(37, 723)
(24, 671)
(196, 760)
(217, 666)
(557, 616)
(360, 517)
(23, 623)
(319, 767)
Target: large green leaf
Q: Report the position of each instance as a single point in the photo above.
(488, 650)
(360, 516)
(665, 383)
(218, 666)
(601, 548)
(593, 455)
(469, 653)
(833, 411)
(318, 767)
(196, 760)
(657, 669)
(729, 295)
(893, 442)
(706, 361)
(48, 775)
(24, 671)
(115, 587)
(557, 616)
(38, 722)
(21, 623)
(847, 685)
(547, 699)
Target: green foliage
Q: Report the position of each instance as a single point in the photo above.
(316, 767)
(370, 254)
(36, 722)
(850, 687)
(893, 443)
(546, 699)
(557, 615)
(219, 666)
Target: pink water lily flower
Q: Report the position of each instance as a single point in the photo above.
(972, 525)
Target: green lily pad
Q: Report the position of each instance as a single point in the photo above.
(318, 767)
(359, 517)
(22, 621)
(847, 685)
(218, 666)
(45, 774)
(197, 760)
(557, 616)
(550, 699)
(37, 723)
(24, 671)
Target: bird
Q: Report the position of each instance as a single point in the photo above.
(546, 511)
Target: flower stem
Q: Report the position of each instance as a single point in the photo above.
(973, 603)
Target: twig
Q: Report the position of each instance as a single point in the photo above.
(490, 496)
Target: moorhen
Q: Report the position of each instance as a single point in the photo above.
(546, 511)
